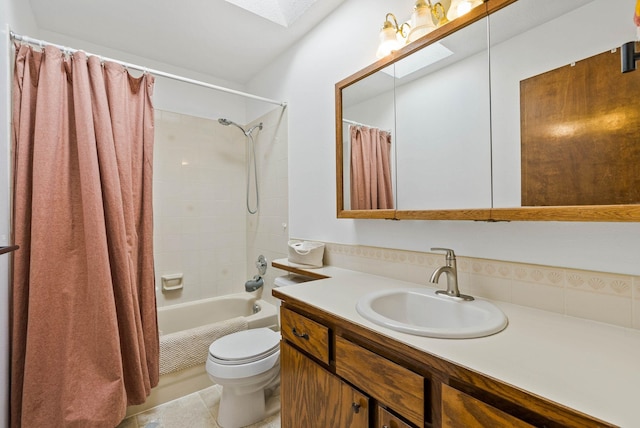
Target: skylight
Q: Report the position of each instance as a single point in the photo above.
(419, 60)
(282, 12)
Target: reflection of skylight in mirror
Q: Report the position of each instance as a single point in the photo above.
(418, 60)
(282, 12)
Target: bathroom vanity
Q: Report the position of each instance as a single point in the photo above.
(544, 369)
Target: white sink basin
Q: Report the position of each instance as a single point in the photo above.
(422, 312)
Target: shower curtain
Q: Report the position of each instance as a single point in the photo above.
(370, 168)
(84, 329)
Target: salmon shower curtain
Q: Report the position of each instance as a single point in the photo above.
(84, 329)
(370, 168)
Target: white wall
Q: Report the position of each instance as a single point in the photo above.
(305, 76)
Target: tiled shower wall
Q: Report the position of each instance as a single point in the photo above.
(268, 230)
(201, 225)
(199, 207)
(598, 296)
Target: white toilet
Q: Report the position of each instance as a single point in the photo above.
(246, 364)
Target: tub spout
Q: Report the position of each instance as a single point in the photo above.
(254, 284)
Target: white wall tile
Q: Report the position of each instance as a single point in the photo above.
(599, 307)
(540, 296)
(265, 232)
(199, 208)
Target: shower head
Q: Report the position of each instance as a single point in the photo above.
(227, 122)
(252, 157)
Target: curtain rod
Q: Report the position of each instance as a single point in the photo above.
(352, 122)
(42, 43)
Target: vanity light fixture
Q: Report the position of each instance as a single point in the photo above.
(425, 18)
(392, 36)
(421, 21)
(439, 12)
(461, 7)
(629, 56)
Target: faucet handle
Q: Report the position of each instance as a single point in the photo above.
(450, 254)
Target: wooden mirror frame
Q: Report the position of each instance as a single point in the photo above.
(587, 213)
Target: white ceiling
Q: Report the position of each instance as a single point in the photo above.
(212, 37)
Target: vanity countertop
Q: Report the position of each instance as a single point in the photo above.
(589, 366)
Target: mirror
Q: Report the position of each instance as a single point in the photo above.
(458, 144)
(368, 104)
(443, 124)
(553, 125)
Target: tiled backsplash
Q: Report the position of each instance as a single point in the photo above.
(599, 296)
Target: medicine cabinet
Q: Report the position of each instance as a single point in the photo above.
(502, 114)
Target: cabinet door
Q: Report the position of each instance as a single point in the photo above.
(460, 410)
(387, 420)
(312, 397)
(396, 387)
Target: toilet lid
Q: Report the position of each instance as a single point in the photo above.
(245, 346)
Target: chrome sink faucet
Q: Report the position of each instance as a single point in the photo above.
(451, 270)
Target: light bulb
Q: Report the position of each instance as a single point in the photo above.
(463, 7)
(388, 42)
(421, 22)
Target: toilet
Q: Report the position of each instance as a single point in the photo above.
(247, 366)
(244, 364)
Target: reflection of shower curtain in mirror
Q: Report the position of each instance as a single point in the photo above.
(370, 168)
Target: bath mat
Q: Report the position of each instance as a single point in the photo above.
(188, 348)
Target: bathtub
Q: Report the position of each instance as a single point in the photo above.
(183, 316)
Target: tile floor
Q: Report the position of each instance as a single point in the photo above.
(197, 410)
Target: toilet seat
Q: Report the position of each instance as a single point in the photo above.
(245, 347)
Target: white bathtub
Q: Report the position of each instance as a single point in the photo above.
(184, 316)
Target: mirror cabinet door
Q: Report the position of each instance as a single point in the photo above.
(523, 114)
(443, 124)
(368, 127)
(565, 120)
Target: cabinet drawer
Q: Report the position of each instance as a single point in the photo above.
(393, 385)
(387, 420)
(460, 410)
(306, 334)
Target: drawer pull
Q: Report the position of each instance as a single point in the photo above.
(355, 407)
(304, 336)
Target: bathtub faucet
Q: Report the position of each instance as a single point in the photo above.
(254, 284)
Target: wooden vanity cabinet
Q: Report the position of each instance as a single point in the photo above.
(341, 375)
(460, 410)
(388, 382)
(389, 420)
(323, 376)
(313, 397)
